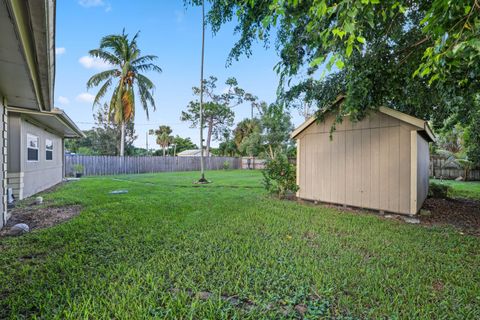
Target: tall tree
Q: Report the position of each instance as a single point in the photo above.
(277, 125)
(126, 74)
(227, 147)
(217, 109)
(202, 158)
(164, 138)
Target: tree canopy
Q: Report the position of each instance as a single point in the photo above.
(419, 57)
(217, 107)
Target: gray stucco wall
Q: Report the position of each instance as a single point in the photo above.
(37, 175)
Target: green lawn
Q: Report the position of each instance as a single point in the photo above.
(168, 249)
(463, 189)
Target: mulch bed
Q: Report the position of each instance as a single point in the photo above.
(463, 214)
(38, 217)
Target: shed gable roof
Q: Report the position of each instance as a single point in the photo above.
(422, 125)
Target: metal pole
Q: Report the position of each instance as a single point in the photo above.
(202, 167)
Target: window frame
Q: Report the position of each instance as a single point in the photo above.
(29, 137)
(47, 149)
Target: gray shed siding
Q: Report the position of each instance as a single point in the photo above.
(423, 162)
(3, 164)
(365, 164)
(30, 177)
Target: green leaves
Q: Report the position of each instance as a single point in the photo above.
(340, 64)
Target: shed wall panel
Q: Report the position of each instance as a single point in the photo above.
(349, 171)
(357, 168)
(423, 162)
(375, 168)
(365, 173)
(394, 169)
(404, 167)
(338, 175)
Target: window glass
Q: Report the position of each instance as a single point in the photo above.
(48, 149)
(32, 147)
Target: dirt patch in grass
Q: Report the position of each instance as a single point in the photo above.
(463, 214)
(39, 217)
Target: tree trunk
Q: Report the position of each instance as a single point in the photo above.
(202, 165)
(271, 151)
(163, 151)
(122, 140)
(209, 136)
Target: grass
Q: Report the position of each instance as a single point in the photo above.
(462, 189)
(149, 253)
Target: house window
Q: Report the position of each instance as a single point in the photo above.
(48, 149)
(32, 147)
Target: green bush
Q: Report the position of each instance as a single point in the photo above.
(438, 190)
(226, 165)
(78, 168)
(279, 176)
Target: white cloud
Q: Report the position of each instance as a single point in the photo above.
(60, 51)
(85, 97)
(63, 100)
(95, 63)
(91, 3)
(95, 3)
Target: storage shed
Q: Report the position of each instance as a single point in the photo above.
(378, 163)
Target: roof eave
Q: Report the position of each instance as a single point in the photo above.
(59, 114)
(34, 22)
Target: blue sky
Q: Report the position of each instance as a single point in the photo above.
(168, 30)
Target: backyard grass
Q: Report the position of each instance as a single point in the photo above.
(170, 249)
(462, 189)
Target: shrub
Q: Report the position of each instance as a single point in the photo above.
(438, 190)
(226, 165)
(78, 168)
(279, 176)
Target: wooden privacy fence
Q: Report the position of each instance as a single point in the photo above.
(440, 168)
(112, 165)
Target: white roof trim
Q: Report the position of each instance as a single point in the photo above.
(59, 114)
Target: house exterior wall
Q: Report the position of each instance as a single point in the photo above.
(3, 164)
(365, 164)
(423, 162)
(29, 177)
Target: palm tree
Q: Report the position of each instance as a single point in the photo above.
(164, 139)
(126, 74)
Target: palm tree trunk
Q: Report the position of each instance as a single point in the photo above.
(163, 151)
(209, 137)
(202, 165)
(122, 140)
